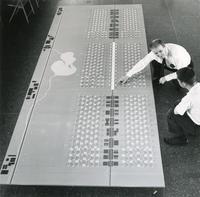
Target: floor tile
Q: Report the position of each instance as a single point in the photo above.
(179, 8)
(187, 25)
(7, 124)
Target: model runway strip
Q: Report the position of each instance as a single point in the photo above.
(113, 66)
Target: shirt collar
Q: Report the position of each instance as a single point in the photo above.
(194, 87)
(167, 52)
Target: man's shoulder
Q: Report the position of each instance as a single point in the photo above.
(176, 49)
(197, 87)
(173, 46)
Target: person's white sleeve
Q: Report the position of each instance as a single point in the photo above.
(141, 64)
(171, 76)
(183, 59)
(183, 106)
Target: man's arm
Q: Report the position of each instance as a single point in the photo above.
(183, 106)
(141, 64)
(171, 76)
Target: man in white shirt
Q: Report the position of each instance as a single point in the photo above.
(184, 119)
(163, 56)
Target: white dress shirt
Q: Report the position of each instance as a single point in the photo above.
(176, 55)
(190, 104)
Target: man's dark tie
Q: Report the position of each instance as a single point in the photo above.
(164, 63)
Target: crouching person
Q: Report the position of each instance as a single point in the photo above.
(184, 119)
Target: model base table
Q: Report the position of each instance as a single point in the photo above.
(77, 127)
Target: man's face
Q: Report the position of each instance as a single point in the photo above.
(160, 51)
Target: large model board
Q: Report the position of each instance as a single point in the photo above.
(77, 126)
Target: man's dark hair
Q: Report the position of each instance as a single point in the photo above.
(186, 75)
(155, 43)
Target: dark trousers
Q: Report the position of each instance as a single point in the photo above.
(158, 69)
(181, 125)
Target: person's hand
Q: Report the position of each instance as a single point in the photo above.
(162, 80)
(123, 80)
(175, 112)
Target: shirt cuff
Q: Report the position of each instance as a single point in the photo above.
(179, 110)
(175, 111)
(171, 76)
(128, 74)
